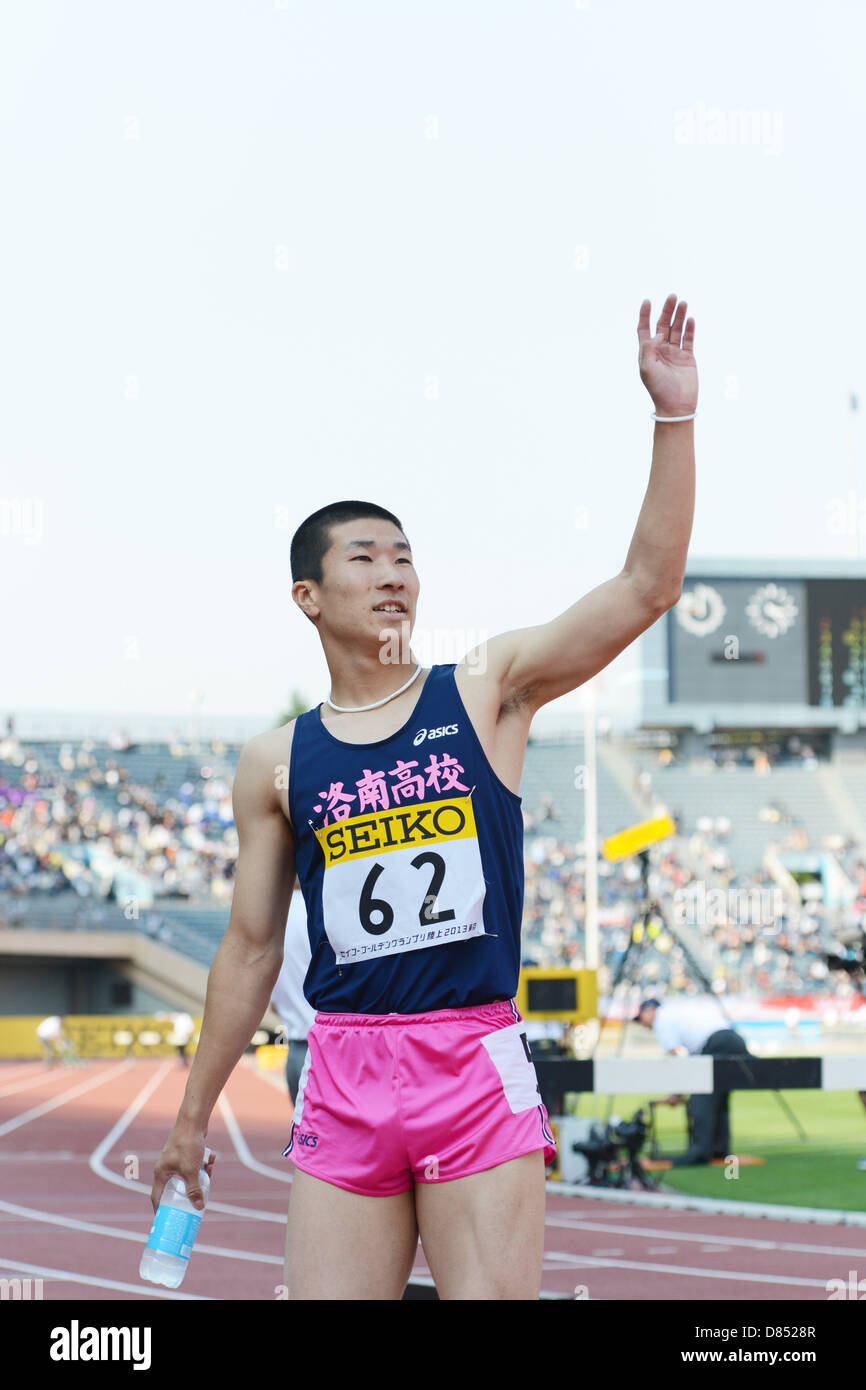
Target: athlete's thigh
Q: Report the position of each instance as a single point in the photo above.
(483, 1235)
(340, 1245)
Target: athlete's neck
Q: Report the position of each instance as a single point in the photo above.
(367, 681)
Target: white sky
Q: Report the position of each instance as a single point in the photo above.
(239, 241)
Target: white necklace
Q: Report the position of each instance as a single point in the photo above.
(357, 709)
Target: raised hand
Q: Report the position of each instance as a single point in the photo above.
(668, 368)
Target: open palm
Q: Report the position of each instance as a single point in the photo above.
(668, 368)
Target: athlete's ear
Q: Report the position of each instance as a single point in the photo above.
(304, 597)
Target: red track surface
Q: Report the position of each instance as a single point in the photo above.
(69, 1135)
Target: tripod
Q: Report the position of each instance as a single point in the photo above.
(628, 969)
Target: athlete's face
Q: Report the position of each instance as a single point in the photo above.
(370, 587)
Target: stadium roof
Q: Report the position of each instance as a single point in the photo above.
(775, 567)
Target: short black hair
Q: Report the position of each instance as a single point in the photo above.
(313, 537)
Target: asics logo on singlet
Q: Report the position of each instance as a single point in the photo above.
(434, 733)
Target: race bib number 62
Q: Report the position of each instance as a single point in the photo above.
(402, 879)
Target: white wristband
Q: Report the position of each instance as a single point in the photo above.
(672, 419)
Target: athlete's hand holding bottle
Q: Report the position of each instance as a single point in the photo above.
(183, 1157)
(179, 1195)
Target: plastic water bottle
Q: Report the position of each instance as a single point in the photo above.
(166, 1256)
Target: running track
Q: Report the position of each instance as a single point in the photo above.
(69, 1135)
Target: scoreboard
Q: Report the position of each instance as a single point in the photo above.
(837, 642)
(785, 641)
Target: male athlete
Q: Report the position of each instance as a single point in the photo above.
(396, 802)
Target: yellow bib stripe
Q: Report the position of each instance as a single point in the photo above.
(401, 827)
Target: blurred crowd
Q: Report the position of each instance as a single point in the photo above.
(83, 826)
(787, 751)
(92, 829)
(744, 931)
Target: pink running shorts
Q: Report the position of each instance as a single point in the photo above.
(388, 1100)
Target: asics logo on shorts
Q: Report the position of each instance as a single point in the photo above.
(442, 730)
(310, 1140)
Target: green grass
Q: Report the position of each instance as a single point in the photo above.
(819, 1173)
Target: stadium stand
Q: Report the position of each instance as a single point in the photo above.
(142, 841)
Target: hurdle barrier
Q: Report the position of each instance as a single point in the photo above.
(699, 1075)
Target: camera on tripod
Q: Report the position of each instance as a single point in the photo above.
(604, 1155)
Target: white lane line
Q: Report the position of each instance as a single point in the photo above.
(131, 1185)
(27, 1116)
(105, 1145)
(28, 1083)
(69, 1276)
(241, 1147)
(617, 1215)
(715, 1249)
(12, 1074)
(721, 1206)
(661, 1249)
(746, 1242)
(72, 1223)
(788, 1280)
(608, 1252)
(38, 1156)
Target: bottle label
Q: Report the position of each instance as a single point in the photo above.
(173, 1231)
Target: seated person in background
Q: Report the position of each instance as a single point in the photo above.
(691, 1025)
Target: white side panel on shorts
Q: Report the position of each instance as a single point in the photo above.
(302, 1081)
(516, 1071)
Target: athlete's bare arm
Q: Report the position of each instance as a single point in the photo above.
(247, 963)
(533, 665)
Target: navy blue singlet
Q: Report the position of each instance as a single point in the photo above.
(410, 856)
